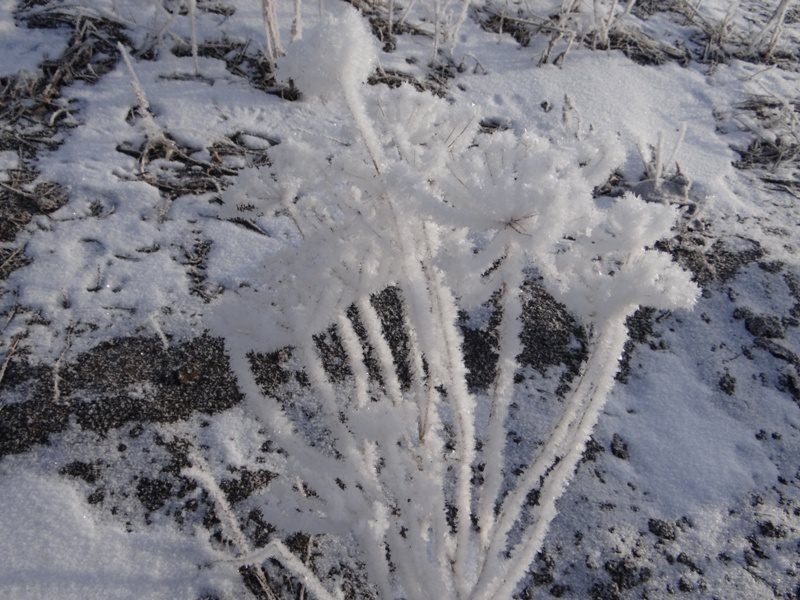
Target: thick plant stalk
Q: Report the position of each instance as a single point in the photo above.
(271, 32)
(372, 323)
(463, 404)
(500, 577)
(776, 23)
(420, 298)
(416, 288)
(297, 21)
(395, 479)
(193, 25)
(409, 552)
(308, 463)
(355, 359)
(355, 104)
(402, 471)
(421, 385)
(311, 465)
(510, 346)
(425, 332)
(376, 562)
(344, 441)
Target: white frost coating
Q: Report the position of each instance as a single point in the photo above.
(611, 267)
(402, 181)
(333, 58)
(377, 340)
(339, 52)
(502, 392)
(355, 358)
(389, 211)
(421, 130)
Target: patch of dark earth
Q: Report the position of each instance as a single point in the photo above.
(95, 389)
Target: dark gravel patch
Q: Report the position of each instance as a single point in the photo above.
(96, 389)
(662, 529)
(767, 326)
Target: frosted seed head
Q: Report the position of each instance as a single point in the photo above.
(610, 270)
(337, 53)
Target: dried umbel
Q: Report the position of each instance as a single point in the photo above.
(447, 217)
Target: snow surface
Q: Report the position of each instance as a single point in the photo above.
(116, 256)
(694, 456)
(25, 53)
(53, 546)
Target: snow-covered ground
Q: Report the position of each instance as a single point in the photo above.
(120, 238)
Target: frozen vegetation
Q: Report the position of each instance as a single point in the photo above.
(439, 299)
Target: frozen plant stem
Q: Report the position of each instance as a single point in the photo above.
(297, 21)
(437, 27)
(201, 473)
(659, 159)
(193, 22)
(272, 36)
(776, 24)
(464, 410)
(159, 331)
(355, 104)
(441, 301)
(565, 444)
(57, 364)
(502, 392)
(153, 133)
(12, 348)
(138, 90)
(278, 550)
(462, 17)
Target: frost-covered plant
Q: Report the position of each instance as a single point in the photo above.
(272, 34)
(564, 21)
(605, 17)
(773, 28)
(335, 58)
(656, 166)
(448, 18)
(193, 33)
(153, 134)
(448, 218)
